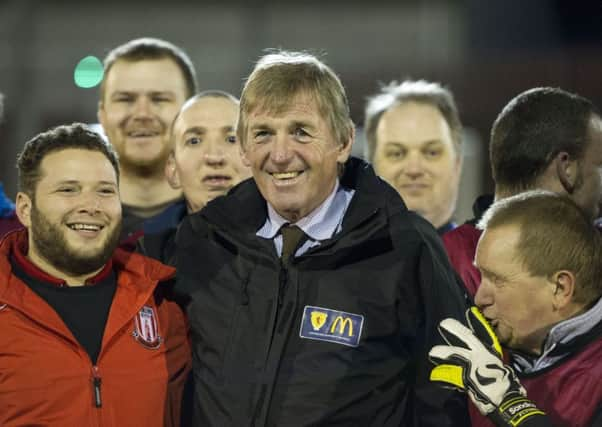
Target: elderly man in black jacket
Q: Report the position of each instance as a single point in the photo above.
(314, 294)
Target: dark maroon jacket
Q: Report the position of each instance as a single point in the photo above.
(461, 245)
(569, 392)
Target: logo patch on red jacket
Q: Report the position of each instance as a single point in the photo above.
(146, 328)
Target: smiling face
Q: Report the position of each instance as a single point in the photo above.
(206, 161)
(415, 154)
(294, 156)
(75, 216)
(140, 101)
(518, 305)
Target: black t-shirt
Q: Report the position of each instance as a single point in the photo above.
(84, 309)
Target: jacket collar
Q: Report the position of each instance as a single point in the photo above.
(15, 246)
(371, 194)
(19, 253)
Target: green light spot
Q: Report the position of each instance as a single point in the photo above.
(88, 72)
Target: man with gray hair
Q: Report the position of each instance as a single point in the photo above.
(314, 294)
(414, 140)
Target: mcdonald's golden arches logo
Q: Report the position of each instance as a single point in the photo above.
(342, 324)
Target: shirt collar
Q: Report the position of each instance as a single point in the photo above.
(569, 329)
(320, 224)
(562, 333)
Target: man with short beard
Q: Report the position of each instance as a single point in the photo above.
(89, 333)
(145, 83)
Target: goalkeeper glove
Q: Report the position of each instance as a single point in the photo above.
(472, 361)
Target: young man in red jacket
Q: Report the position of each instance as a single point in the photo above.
(89, 333)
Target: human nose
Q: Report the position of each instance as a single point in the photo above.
(214, 154)
(484, 296)
(142, 107)
(281, 150)
(91, 203)
(413, 164)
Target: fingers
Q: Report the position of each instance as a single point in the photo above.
(449, 354)
(458, 335)
(483, 330)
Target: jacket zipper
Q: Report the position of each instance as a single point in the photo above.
(96, 383)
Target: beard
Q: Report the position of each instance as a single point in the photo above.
(50, 242)
(141, 165)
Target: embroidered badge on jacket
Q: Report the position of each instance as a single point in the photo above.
(324, 324)
(146, 328)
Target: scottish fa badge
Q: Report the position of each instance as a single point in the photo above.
(318, 318)
(146, 328)
(334, 326)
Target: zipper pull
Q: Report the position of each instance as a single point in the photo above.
(96, 382)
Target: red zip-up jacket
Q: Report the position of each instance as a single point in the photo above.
(47, 377)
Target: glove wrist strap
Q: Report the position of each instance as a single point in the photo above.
(514, 410)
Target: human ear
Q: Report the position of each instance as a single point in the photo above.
(171, 172)
(23, 204)
(564, 291)
(243, 155)
(346, 146)
(567, 171)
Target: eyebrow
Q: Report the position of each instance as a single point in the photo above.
(432, 141)
(260, 126)
(299, 123)
(78, 182)
(136, 93)
(195, 129)
(200, 130)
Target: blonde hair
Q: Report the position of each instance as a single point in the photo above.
(278, 77)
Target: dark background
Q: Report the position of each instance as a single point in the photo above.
(485, 51)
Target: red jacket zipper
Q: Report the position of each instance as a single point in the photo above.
(96, 382)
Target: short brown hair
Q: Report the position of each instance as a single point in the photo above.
(554, 235)
(418, 91)
(531, 130)
(76, 135)
(148, 48)
(278, 77)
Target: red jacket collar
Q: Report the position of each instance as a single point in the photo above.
(15, 243)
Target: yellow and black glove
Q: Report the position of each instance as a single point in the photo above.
(472, 361)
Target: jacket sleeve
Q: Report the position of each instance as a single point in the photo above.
(188, 259)
(441, 295)
(178, 359)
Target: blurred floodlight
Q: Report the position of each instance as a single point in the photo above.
(88, 72)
